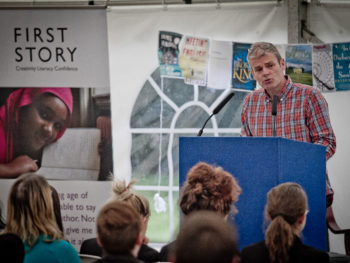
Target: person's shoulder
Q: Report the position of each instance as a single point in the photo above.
(317, 255)
(254, 95)
(148, 254)
(256, 252)
(164, 252)
(256, 246)
(309, 91)
(305, 253)
(88, 243)
(306, 88)
(68, 252)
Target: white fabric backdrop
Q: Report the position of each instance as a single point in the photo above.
(133, 46)
(133, 40)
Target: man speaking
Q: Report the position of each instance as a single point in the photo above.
(283, 108)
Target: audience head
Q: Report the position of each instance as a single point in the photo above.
(119, 228)
(30, 209)
(286, 208)
(259, 49)
(11, 248)
(123, 192)
(205, 237)
(209, 188)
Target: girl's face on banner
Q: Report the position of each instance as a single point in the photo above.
(41, 122)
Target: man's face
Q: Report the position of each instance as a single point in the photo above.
(268, 72)
(40, 123)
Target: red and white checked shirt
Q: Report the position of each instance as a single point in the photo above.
(302, 115)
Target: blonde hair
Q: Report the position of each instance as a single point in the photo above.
(30, 210)
(286, 203)
(123, 192)
(209, 188)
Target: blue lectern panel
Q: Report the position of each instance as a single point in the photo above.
(258, 165)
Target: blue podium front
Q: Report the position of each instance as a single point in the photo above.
(258, 164)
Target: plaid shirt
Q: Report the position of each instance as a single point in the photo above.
(302, 115)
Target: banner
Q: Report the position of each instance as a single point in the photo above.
(57, 48)
(341, 60)
(42, 50)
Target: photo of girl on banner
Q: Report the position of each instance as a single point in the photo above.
(32, 119)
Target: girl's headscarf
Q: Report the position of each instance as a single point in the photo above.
(9, 115)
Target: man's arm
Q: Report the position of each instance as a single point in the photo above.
(321, 131)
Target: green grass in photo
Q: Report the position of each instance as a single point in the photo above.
(158, 230)
(304, 78)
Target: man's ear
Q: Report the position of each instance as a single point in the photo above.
(236, 259)
(99, 241)
(302, 218)
(139, 239)
(282, 63)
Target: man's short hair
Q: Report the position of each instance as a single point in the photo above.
(118, 227)
(205, 237)
(259, 49)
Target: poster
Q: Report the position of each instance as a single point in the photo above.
(168, 53)
(299, 63)
(322, 67)
(242, 77)
(58, 61)
(220, 66)
(341, 65)
(193, 59)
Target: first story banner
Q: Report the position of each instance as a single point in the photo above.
(57, 48)
(58, 57)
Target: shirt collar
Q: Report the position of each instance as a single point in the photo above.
(286, 88)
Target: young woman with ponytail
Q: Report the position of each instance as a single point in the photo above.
(286, 209)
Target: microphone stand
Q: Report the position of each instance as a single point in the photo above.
(274, 126)
(216, 110)
(274, 113)
(200, 132)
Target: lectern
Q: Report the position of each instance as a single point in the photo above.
(258, 164)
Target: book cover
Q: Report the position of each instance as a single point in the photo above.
(168, 53)
(299, 63)
(341, 66)
(242, 77)
(193, 60)
(322, 68)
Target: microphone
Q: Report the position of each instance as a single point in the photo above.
(216, 110)
(274, 113)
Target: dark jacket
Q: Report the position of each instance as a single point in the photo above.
(165, 251)
(146, 253)
(299, 253)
